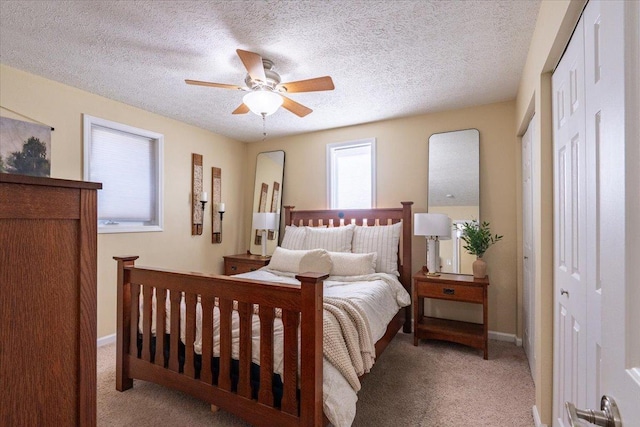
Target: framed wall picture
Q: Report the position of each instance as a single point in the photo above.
(25, 147)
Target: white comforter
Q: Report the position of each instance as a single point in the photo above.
(379, 296)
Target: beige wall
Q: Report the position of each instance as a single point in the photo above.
(62, 107)
(402, 175)
(556, 21)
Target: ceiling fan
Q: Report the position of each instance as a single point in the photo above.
(265, 91)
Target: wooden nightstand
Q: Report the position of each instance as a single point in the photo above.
(452, 287)
(243, 263)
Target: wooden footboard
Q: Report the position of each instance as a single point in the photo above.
(143, 356)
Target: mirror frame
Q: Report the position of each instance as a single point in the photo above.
(269, 176)
(454, 254)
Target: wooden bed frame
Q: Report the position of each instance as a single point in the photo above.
(301, 403)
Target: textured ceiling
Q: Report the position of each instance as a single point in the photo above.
(388, 59)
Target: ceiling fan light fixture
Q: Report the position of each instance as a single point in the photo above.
(263, 102)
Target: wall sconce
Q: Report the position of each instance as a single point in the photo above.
(434, 227)
(217, 235)
(264, 221)
(204, 198)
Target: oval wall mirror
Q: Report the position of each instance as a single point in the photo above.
(454, 189)
(267, 198)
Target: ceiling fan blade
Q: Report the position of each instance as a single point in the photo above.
(296, 108)
(210, 84)
(253, 63)
(242, 109)
(309, 85)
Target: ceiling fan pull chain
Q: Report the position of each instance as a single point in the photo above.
(264, 126)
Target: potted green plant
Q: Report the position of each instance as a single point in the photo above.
(478, 239)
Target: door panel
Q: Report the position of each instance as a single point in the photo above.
(570, 232)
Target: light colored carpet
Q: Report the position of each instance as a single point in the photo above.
(435, 384)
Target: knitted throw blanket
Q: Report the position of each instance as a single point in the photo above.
(347, 342)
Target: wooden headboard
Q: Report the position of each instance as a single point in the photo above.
(369, 217)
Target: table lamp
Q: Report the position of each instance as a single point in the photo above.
(434, 227)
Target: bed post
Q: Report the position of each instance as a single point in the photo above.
(123, 331)
(405, 275)
(311, 413)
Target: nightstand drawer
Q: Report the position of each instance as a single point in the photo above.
(450, 291)
(243, 263)
(239, 267)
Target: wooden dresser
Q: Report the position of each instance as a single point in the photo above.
(452, 287)
(48, 274)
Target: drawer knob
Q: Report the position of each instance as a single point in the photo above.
(234, 267)
(448, 291)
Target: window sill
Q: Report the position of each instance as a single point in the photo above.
(109, 229)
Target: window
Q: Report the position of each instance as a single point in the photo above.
(351, 174)
(128, 163)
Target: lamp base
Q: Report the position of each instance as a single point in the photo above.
(426, 272)
(264, 244)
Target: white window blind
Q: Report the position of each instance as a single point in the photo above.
(351, 174)
(128, 182)
(127, 161)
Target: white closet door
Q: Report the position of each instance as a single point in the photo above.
(619, 205)
(528, 290)
(593, 27)
(570, 234)
(596, 111)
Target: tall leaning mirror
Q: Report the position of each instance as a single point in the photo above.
(454, 190)
(267, 199)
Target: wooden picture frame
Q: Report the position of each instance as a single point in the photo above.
(262, 207)
(216, 199)
(275, 199)
(197, 212)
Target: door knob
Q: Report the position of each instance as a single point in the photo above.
(608, 416)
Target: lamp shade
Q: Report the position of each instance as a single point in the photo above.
(263, 102)
(432, 224)
(265, 220)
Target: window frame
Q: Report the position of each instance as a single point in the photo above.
(158, 138)
(371, 142)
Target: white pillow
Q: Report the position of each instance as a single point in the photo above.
(382, 240)
(293, 261)
(334, 239)
(316, 261)
(293, 237)
(349, 264)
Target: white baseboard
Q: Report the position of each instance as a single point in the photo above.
(536, 417)
(501, 336)
(106, 340)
